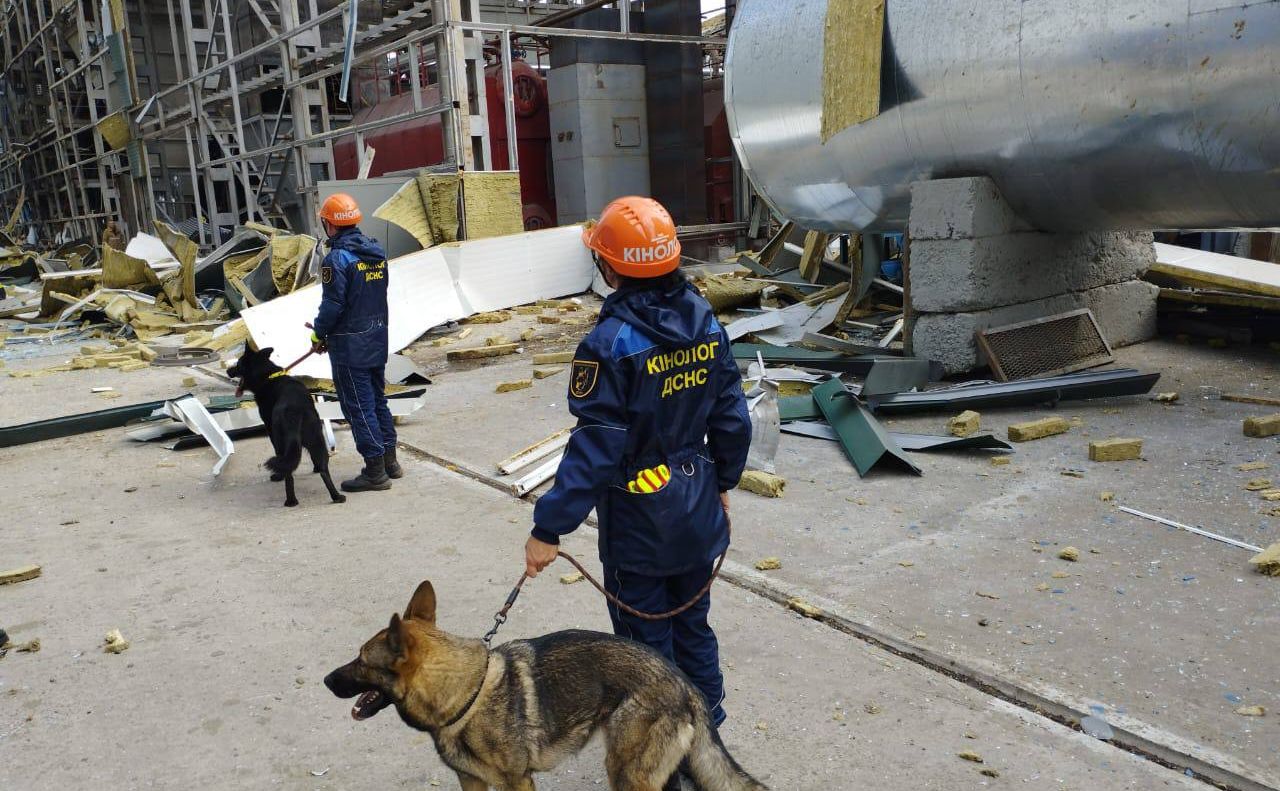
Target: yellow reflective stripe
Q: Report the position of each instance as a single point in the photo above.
(645, 486)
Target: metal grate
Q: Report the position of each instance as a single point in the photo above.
(1045, 347)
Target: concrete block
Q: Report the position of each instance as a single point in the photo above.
(1038, 429)
(964, 208)
(977, 274)
(964, 424)
(1259, 427)
(1126, 312)
(1119, 449)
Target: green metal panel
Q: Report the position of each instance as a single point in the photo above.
(864, 440)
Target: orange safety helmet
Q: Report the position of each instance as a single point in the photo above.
(636, 236)
(341, 209)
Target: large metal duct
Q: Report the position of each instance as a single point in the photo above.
(1088, 114)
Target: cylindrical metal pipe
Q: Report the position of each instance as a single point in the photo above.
(1088, 114)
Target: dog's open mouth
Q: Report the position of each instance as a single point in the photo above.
(369, 704)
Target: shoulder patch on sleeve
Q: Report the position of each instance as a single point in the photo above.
(326, 275)
(583, 378)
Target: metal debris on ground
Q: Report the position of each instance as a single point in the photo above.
(1048, 346)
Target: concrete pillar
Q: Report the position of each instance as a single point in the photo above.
(975, 264)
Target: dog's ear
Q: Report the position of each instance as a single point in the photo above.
(266, 353)
(395, 635)
(423, 604)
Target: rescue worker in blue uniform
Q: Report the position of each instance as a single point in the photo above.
(352, 327)
(662, 436)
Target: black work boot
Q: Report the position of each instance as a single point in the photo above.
(373, 478)
(394, 470)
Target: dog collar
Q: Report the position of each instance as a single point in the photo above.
(458, 717)
(278, 374)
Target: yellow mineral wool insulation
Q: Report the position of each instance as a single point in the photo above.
(851, 58)
(1268, 560)
(124, 271)
(762, 483)
(185, 251)
(426, 207)
(288, 252)
(491, 204)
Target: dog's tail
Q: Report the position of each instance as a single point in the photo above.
(286, 436)
(712, 767)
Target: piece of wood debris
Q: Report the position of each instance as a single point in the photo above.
(768, 564)
(1038, 429)
(1166, 398)
(1252, 466)
(553, 358)
(906, 564)
(762, 483)
(1107, 497)
(1116, 449)
(1268, 561)
(544, 373)
(964, 424)
(989, 772)
(1001, 461)
(1249, 399)
(1070, 473)
(1258, 484)
(1060, 575)
(986, 595)
(548, 319)
(1252, 711)
(570, 579)
(1069, 553)
(970, 755)
(115, 643)
(20, 574)
(466, 333)
(1258, 427)
(804, 608)
(480, 352)
(510, 387)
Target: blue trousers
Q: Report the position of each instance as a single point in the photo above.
(687, 639)
(361, 392)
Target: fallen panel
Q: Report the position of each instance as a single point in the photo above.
(804, 358)
(842, 346)
(430, 287)
(1214, 270)
(401, 370)
(898, 375)
(1027, 392)
(762, 321)
(190, 411)
(71, 425)
(401, 405)
(909, 442)
(863, 439)
(792, 408)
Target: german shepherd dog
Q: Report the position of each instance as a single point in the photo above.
(291, 419)
(497, 716)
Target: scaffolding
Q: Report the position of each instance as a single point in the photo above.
(210, 113)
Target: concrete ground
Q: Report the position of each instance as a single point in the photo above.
(236, 607)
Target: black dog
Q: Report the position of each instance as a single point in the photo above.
(291, 418)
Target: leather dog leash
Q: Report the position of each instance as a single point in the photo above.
(500, 617)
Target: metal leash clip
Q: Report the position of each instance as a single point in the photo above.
(500, 617)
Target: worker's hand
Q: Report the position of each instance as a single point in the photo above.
(537, 556)
(318, 346)
(724, 502)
